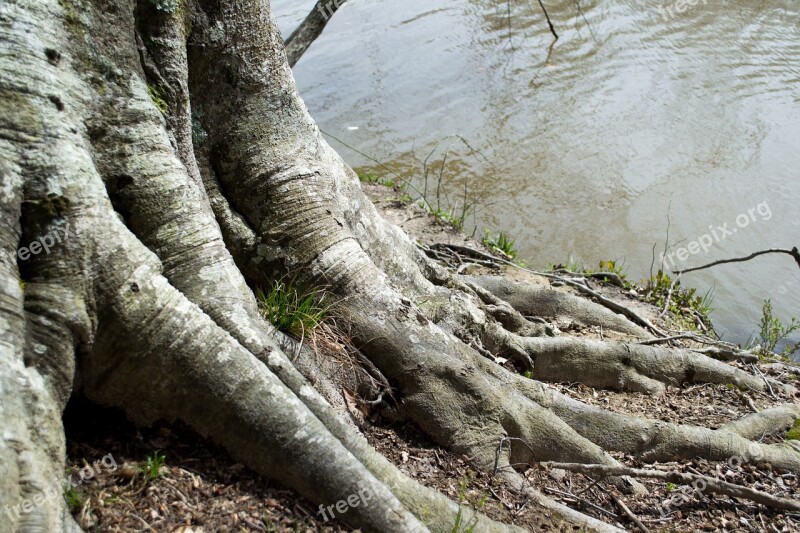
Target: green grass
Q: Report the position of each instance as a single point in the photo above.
(462, 525)
(449, 217)
(152, 467)
(616, 273)
(500, 243)
(293, 309)
(74, 499)
(368, 176)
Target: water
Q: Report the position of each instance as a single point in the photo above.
(633, 119)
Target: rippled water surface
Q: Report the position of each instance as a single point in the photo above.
(635, 122)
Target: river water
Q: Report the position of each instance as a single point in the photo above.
(639, 125)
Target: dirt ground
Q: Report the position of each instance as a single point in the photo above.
(198, 488)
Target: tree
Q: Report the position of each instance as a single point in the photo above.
(158, 160)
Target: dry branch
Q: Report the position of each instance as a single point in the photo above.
(793, 252)
(311, 28)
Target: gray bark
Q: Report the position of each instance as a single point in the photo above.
(170, 149)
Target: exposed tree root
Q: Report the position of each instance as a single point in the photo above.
(757, 425)
(630, 366)
(549, 303)
(147, 306)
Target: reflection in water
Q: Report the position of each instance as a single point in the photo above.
(632, 121)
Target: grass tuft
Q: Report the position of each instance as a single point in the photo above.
(152, 466)
(292, 309)
(74, 499)
(500, 243)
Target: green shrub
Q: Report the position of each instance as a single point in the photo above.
(772, 331)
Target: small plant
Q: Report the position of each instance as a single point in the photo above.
(612, 267)
(74, 499)
(528, 374)
(367, 176)
(662, 291)
(671, 486)
(449, 218)
(269, 525)
(152, 466)
(462, 526)
(772, 331)
(500, 243)
(292, 309)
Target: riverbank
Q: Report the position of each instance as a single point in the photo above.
(196, 487)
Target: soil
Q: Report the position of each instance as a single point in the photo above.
(199, 488)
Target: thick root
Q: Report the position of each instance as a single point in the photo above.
(548, 303)
(655, 440)
(629, 366)
(757, 425)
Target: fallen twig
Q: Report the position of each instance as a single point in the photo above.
(711, 484)
(669, 295)
(628, 512)
(549, 22)
(667, 339)
(582, 500)
(766, 381)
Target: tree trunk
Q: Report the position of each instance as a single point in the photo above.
(163, 143)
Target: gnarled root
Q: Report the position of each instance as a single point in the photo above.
(632, 367)
(542, 301)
